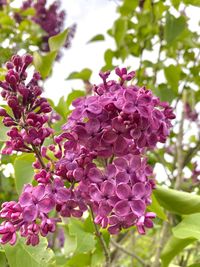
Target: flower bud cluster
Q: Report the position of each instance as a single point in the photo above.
(27, 111)
(99, 161)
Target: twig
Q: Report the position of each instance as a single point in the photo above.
(101, 240)
(180, 152)
(190, 154)
(132, 254)
(162, 240)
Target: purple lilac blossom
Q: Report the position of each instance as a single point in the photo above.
(51, 20)
(99, 158)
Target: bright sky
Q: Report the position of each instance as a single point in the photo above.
(92, 17)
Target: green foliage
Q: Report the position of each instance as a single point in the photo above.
(57, 41)
(84, 75)
(172, 248)
(3, 135)
(23, 170)
(74, 95)
(155, 207)
(22, 255)
(172, 74)
(43, 64)
(174, 27)
(85, 241)
(98, 37)
(189, 227)
(176, 201)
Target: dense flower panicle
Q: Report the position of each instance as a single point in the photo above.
(99, 158)
(120, 119)
(30, 110)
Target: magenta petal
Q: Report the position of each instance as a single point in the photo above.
(129, 108)
(81, 132)
(138, 190)
(92, 126)
(108, 188)
(63, 194)
(38, 192)
(25, 199)
(113, 220)
(95, 108)
(144, 111)
(13, 239)
(95, 175)
(118, 126)
(104, 209)
(95, 193)
(30, 213)
(138, 207)
(111, 170)
(121, 163)
(122, 208)
(135, 162)
(123, 191)
(114, 230)
(109, 136)
(46, 205)
(120, 145)
(122, 177)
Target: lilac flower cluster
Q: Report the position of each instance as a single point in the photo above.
(190, 114)
(51, 20)
(98, 160)
(29, 110)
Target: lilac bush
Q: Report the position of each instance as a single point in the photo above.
(98, 163)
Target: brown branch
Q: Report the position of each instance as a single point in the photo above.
(161, 243)
(179, 149)
(101, 240)
(132, 254)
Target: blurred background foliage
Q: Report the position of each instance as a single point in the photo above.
(156, 34)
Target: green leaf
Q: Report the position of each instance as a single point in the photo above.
(3, 262)
(172, 248)
(3, 131)
(2, 74)
(79, 260)
(43, 64)
(155, 207)
(119, 30)
(74, 95)
(164, 92)
(176, 3)
(194, 265)
(189, 227)
(23, 170)
(192, 2)
(172, 74)
(176, 201)
(84, 75)
(57, 41)
(27, 12)
(174, 27)
(98, 37)
(22, 255)
(128, 7)
(61, 108)
(85, 241)
(108, 57)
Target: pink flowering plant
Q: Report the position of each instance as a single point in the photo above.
(109, 176)
(98, 163)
